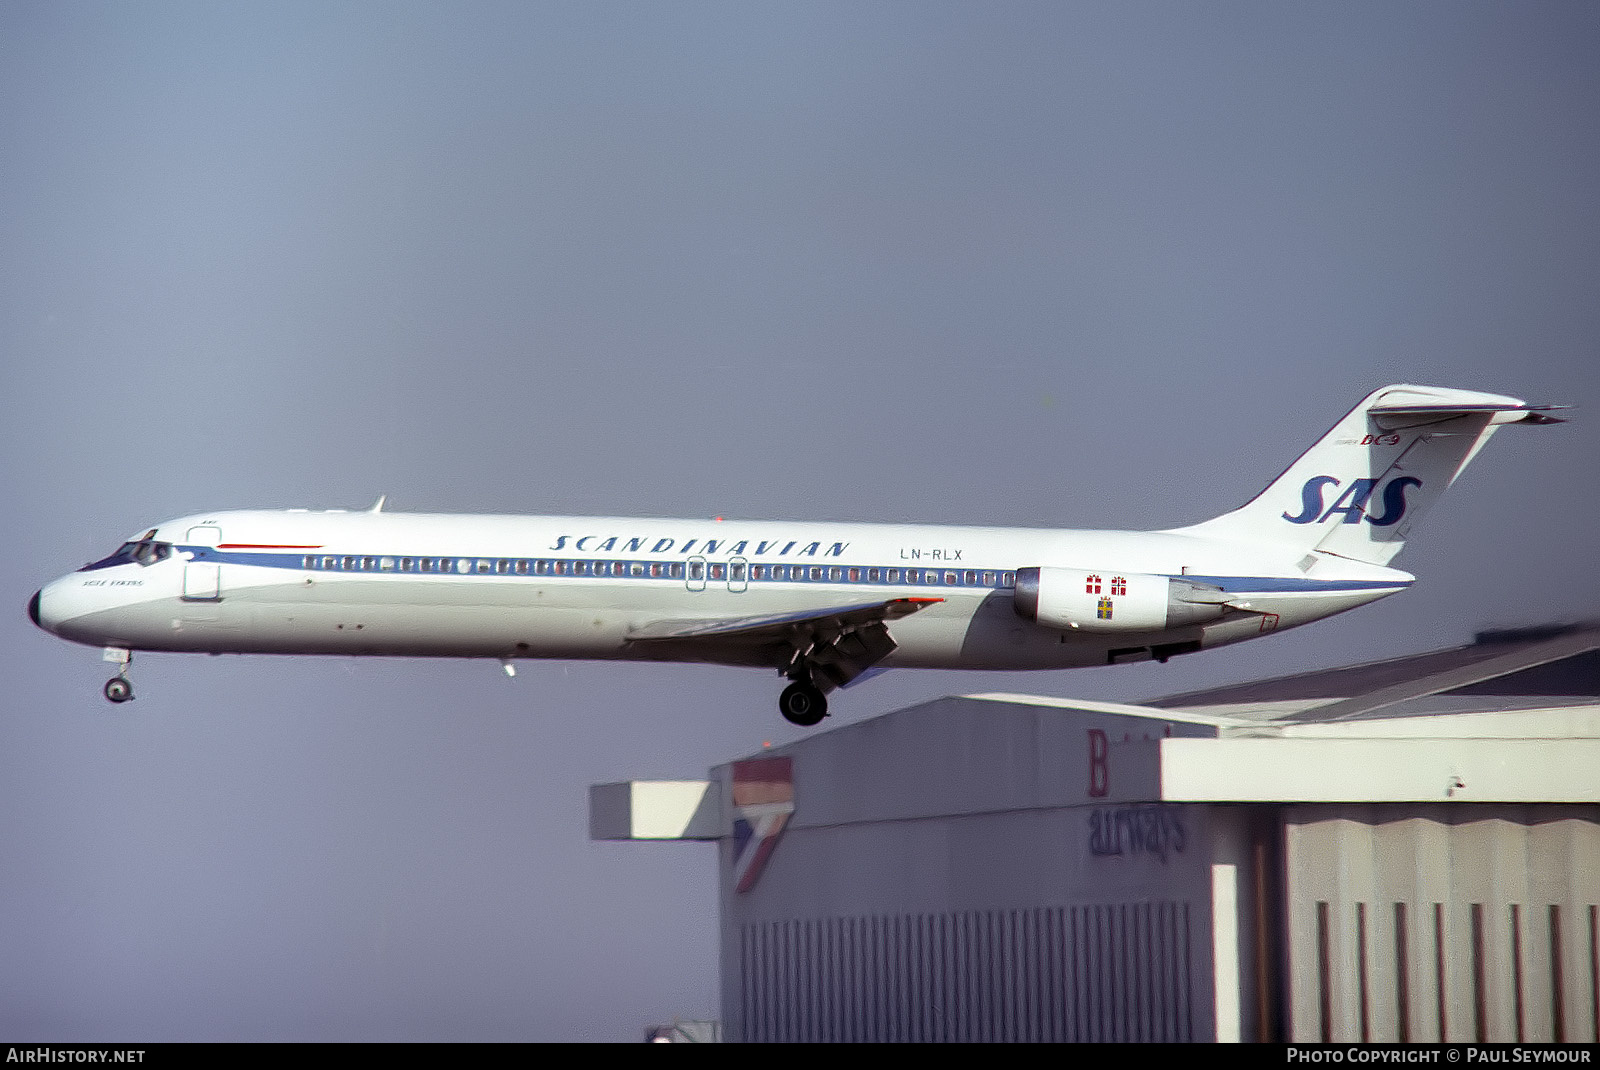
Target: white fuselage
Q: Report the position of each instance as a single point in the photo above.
(374, 583)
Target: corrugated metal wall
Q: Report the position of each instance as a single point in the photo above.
(1106, 972)
(1453, 922)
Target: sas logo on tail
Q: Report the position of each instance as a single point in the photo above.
(1352, 504)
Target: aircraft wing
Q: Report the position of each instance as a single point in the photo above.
(776, 625)
(839, 642)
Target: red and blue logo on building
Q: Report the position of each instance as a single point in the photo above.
(763, 799)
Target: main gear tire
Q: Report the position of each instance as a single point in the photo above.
(803, 705)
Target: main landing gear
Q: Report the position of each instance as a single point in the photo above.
(803, 703)
(119, 688)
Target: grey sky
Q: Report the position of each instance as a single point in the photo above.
(1103, 265)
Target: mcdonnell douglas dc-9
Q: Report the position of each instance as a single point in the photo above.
(821, 603)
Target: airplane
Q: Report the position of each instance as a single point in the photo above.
(824, 604)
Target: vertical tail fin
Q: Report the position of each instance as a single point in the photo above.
(1360, 491)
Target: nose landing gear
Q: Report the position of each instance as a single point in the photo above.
(119, 688)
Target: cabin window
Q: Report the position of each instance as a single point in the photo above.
(636, 568)
(675, 570)
(719, 571)
(1008, 579)
(951, 579)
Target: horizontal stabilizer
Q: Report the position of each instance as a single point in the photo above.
(1393, 416)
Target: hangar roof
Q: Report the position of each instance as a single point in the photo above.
(1511, 717)
(1555, 667)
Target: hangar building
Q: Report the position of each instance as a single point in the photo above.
(1400, 851)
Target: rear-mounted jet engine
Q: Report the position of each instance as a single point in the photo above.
(1075, 600)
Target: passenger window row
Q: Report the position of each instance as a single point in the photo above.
(695, 569)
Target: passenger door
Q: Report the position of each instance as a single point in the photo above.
(202, 578)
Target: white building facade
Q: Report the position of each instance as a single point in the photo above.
(1015, 868)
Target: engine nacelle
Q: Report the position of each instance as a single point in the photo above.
(1102, 601)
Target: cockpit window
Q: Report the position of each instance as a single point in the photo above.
(141, 552)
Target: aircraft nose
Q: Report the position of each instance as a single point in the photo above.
(33, 609)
